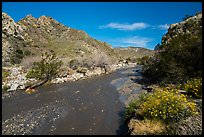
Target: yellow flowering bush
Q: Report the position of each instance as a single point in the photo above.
(194, 87)
(133, 106)
(167, 105)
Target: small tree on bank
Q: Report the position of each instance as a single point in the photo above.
(45, 69)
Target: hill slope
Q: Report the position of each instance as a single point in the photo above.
(31, 36)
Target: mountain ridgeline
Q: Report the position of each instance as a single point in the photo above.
(30, 36)
(190, 26)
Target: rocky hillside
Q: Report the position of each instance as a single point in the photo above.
(187, 26)
(14, 38)
(31, 36)
(132, 53)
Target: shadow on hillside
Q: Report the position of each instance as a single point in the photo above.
(137, 77)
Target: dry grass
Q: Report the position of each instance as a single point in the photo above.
(146, 127)
(28, 61)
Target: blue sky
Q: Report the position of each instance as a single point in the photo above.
(121, 24)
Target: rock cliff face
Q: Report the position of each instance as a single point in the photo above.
(188, 26)
(13, 35)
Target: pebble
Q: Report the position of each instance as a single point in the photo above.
(25, 121)
(90, 129)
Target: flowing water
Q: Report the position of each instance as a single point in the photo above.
(84, 107)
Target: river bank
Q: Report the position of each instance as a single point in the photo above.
(17, 78)
(92, 106)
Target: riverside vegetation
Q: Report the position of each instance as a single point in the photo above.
(175, 107)
(23, 43)
(176, 103)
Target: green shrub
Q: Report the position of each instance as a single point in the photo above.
(74, 64)
(128, 60)
(47, 68)
(143, 60)
(5, 73)
(5, 88)
(27, 53)
(17, 56)
(194, 87)
(28, 84)
(178, 61)
(130, 110)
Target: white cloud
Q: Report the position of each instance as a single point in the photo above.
(163, 27)
(135, 41)
(129, 27)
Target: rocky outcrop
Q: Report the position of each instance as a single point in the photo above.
(188, 26)
(17, 79)
(12, 35)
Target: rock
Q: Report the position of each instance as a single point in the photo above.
(98, 71)
(152, 87)
(70, 71)
(22, 87)
(89, 73)
(12, 35)
(14, 86)
(182, 28)
(63, 74)
(108, 69)
(77, 76)
(29, 91)
(58, 80)
(82, 70)
(182, 91)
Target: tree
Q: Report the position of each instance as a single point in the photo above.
(45, 69)
(98, 60)
(157, 47)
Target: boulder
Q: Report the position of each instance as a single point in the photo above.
(108, 69)
(89, 73)
(98, 71)
(63, 74)
(82, 70)
(70, 71)
(14, 86)
(77, 76)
